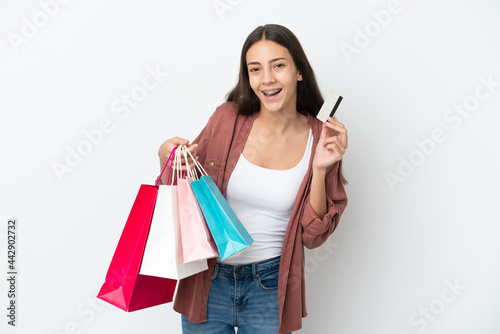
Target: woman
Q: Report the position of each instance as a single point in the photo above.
(279, 168)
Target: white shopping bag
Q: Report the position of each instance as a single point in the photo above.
(163, 252)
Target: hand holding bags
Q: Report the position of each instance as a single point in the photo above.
(197, 242)
(124, 286)
(137, 277)
(163, 253)
(228, 232)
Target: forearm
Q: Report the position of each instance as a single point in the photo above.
(317, 196)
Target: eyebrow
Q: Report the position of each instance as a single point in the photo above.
(271, 61)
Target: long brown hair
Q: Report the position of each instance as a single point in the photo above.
(309, 98)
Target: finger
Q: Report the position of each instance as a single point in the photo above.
(342, 131)
(168, 146)
(184, 168)
(334, 121)
(192, 152)
(179, 141)
(174, 143)
(336, 125)
(189, 162)
(333, 142)
(192, 149)
(337, 129)
(335, 153)
(337, 149)
(341, 138)
(331, 139)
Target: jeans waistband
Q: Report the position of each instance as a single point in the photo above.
(251, 269)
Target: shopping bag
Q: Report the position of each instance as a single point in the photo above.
(124, 286)
(197, 242)
(163, 253)
(228, 232)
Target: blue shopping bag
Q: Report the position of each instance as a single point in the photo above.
(228, 232)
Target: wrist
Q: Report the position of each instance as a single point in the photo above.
(319, 172)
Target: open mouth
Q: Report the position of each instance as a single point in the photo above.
(271, 92)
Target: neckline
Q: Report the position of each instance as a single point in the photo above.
(304, 156)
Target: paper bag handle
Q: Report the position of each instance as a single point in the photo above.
(198, 165)
(191, 172)
(158, 179)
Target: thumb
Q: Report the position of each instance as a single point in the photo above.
(179, 141)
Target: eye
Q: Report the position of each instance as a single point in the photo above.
(254, 69)
(279, 65)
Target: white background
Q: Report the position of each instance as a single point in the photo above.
(396, 247)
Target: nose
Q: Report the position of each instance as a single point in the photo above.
(267, 77)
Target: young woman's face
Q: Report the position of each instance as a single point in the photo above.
(273, 76)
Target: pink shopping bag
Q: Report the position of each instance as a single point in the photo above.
(197, 241)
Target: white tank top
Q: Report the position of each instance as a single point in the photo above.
(263, 200)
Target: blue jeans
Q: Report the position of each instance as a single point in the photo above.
(243, 296)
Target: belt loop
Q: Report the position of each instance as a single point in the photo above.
(254, 271)
(216, 270)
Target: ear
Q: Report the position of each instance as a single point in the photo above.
(299, 77)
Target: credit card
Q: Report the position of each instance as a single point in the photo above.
(330, 106)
